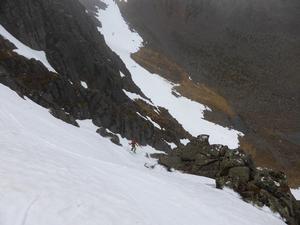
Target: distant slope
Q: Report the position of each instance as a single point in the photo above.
(248, 52)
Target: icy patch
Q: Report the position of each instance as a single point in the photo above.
(189, 113)
(184, 141)
(296, 193)
(122, 74)
(25, 50)
(173, 145)
(84, 84)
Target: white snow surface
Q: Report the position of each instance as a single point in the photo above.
(122, 74)
(25, 50)
(172, 145)
(184, 141)
(123, 41)
(296, 193)
(84, 84)
(134, 96)
(53, 173)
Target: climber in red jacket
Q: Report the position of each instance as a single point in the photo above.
(133, 144)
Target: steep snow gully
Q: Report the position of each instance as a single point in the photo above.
(123, 41)
(54, 173)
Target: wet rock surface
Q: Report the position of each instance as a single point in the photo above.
(235, 169)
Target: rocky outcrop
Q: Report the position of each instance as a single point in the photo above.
(68, 101)
(78, 52)
(70, 38)
(236, 170)
(105, 133)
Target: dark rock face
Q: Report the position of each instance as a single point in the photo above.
(236, 170)
(70, 38)
(92, 5)
(60, 114)
(247, 50)
(78, 52)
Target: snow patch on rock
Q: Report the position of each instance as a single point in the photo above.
(84, 84)
(25, 51)
(184, 141)
(134, 96)
(122, 74)
(296, 193)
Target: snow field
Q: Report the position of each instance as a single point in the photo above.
(54, 173)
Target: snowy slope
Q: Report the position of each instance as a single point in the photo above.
(52, 173)
(189, 113)
(296, 193)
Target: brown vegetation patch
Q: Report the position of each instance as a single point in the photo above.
(205, 95)
(157, 63)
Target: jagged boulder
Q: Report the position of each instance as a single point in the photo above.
(236, 170)
(200, 158)
(113, 137)
(60, 114)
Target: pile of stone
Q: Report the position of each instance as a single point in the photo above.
(235, 169)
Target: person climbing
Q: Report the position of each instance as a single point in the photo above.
(133, 144)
